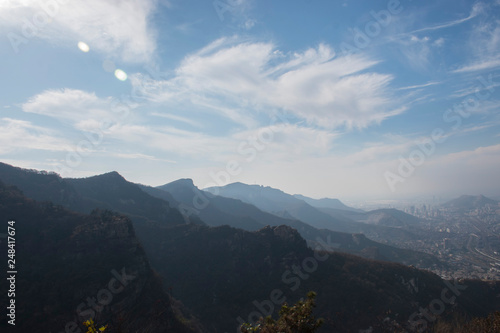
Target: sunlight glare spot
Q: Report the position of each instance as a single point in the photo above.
(120, 75)
(83, 47)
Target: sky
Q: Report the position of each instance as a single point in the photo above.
(350, 99)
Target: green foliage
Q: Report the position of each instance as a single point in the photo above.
(293, 319)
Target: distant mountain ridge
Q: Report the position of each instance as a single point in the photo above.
(218, 211)
(389, 217)
(280, 203)
(380, 226)
(470, 202)
(327, 203)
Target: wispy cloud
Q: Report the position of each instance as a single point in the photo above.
(138, 156)
(484, 48)
(83, 110)
(116, 28)
(314, 85)
(177, 118)
(419, 86)
(21, 135)
(284, 140)
(171, 140)
(477, 9)
(479, 66)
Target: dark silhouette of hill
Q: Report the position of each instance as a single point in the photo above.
(217, 211)
(466, 203)
(111, 191)
(72, 266)
(220, 273)
(228, 275)
(40, 185)
(107, 191)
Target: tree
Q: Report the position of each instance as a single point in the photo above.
(292, 319)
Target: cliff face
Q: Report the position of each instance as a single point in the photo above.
(72, 267)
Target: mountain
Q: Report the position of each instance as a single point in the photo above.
(285, 205)
(112, 191)
(40, 185)
(108, 191)
(466, 203)
(217, 211)
(223, 275)
(71, 266)
(282, 204)
(389, 217)
(227, 276)
(149, 209)
(326, 203)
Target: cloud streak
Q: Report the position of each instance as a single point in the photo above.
(314, 85)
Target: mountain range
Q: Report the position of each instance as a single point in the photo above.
(380, 225)
(203, 262)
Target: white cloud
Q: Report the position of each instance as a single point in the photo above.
(418, 86)
(484, 47)
(171, 140)
(314, 85)
(417, 51)
(185, 120)
(479, 66)
(117, 28)
(17, 135)
(439, 42)
(138, 156)
(86, 112)
(83, 110)
(477, 9)
(285, 141)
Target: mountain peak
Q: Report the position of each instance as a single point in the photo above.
(112, 174)
(468, 202)
(183, 182)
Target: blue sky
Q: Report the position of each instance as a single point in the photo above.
(357, 100)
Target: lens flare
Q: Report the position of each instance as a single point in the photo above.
(83, 47)
(120, 75)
